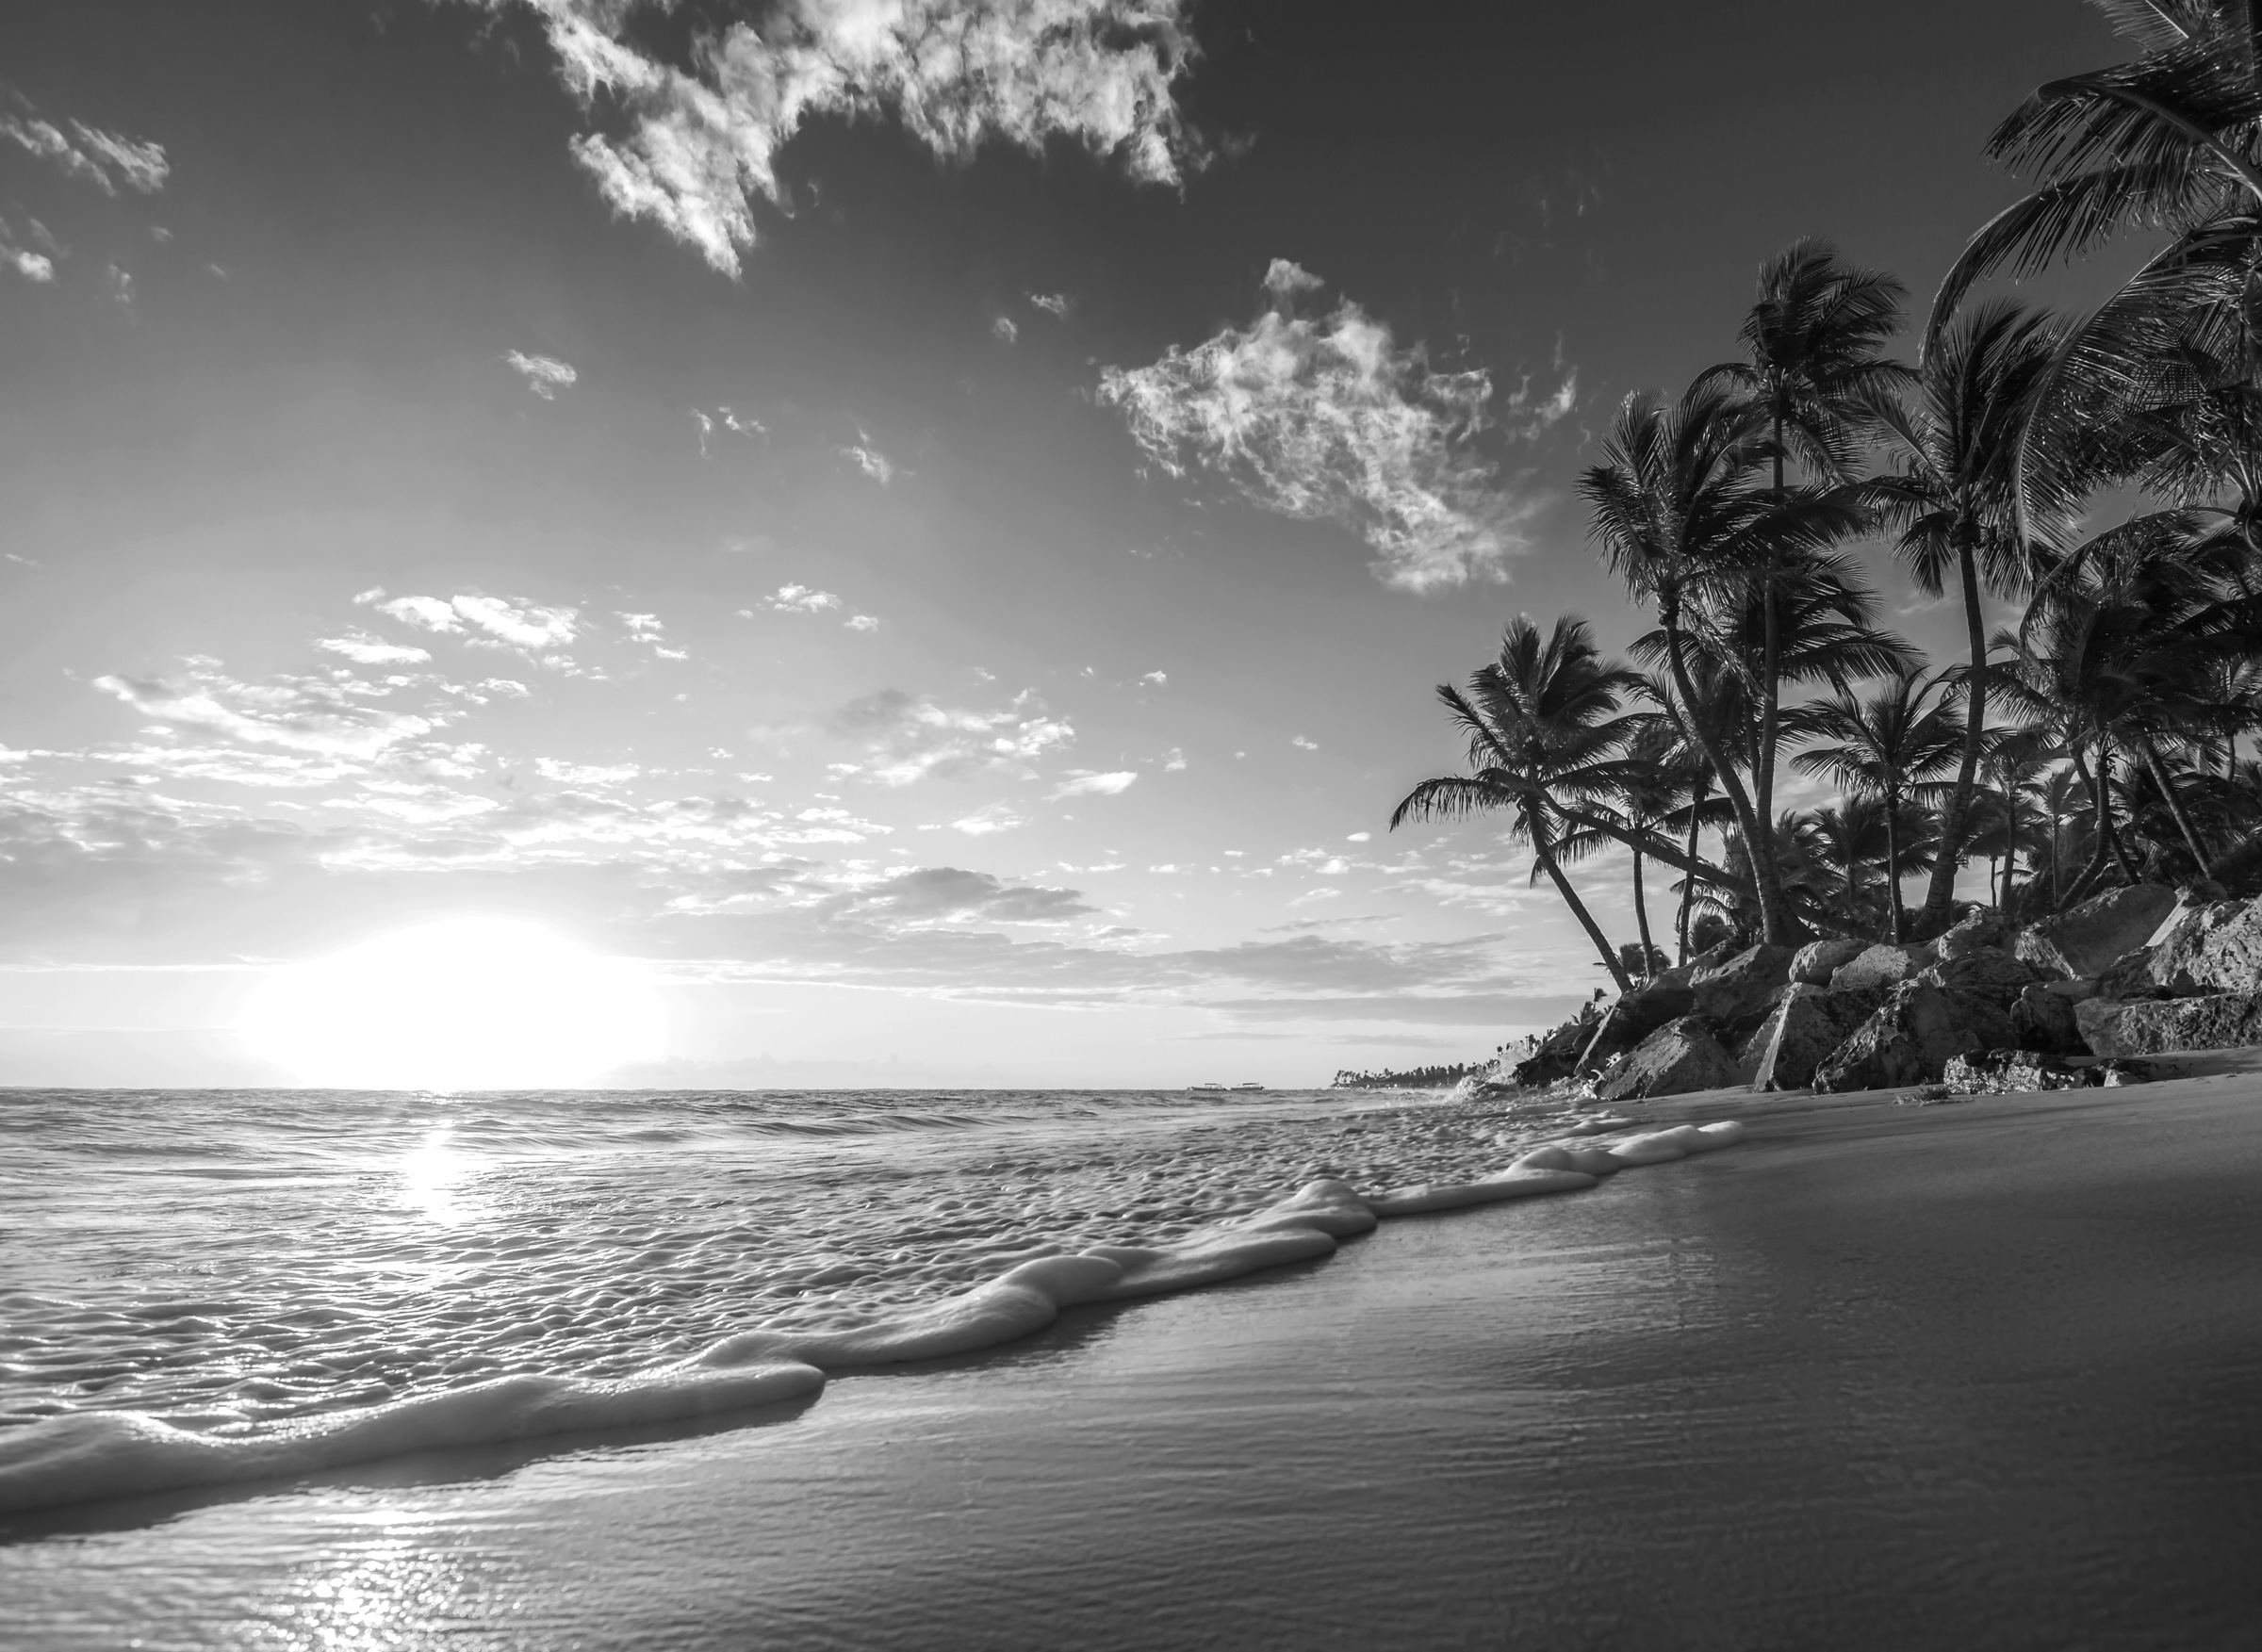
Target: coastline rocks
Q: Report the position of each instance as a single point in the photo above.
(2015, 1072)
(2163, 1026)
(1679, 1057)
(1814, 962)
(2097, 1020)
(2087, 940)
(1988, 971)
(1805, 1026)
(1883, 965)
(1634, 1017)
(2216, 948)
(2043, 1022)
(1911, 1037)
(1982, 927)
(1741, 987)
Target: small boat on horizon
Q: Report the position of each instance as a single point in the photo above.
(1206, 1086)
(1250, 1086)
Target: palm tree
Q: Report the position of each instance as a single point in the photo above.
(1811, 382)
(1651, 785)
(1542, 727)
(1889, 746)
(1955, 441)
(1681, 520)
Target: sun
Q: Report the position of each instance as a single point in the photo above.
(466, 1003)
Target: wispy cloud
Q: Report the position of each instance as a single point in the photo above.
(1330, 419)
(105, 159)
(302, 713)
(909, 739)
(364, 649)
(1052, 304)
(1002, 329)
(646, 628)
(872, 462)
(514, 622)
(1085, 783)
(545, 376)
(701, 144)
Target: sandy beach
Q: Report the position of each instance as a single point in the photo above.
(1975, 1375)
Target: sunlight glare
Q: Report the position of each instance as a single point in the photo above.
(466, 1003)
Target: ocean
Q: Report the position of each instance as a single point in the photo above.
(206, 1285)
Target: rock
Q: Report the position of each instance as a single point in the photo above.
(2098, 1020)
(1878, 966)
(2216, 948)
(1679, 1057)
(1634, 1017)
(1983, 926)
(2225, 1021)
(2085, 941)
(1806, 1026)
(2043, 1020)
(1988, 971)
(2013, 1071)
(1911, 1037)
(1742, 988)
(2071, 991)
(1814, 962)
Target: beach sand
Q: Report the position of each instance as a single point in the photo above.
(1965, 1376)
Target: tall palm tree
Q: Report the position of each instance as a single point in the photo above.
(1889, 746)
(1681, 517)
(1543, 726)
(1810, 386)
(1955, 442)
(1652, 781)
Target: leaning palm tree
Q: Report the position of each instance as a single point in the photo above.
(1543, 728)
(1810, 387)
(1954, 442)
(1889, 746)
(1682, 518)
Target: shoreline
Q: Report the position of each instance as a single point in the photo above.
(1978, 1374)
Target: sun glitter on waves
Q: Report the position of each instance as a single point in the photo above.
(466, 1003)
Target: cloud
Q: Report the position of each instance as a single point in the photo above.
(30, 265)
(946, 893)
(1174, 760)
(872, 462)
(1158, 679)
(364, 649)
(801, 600)
(1084, 783)
(1284, 279)
(1302, 743)
(1054, 303)
(1331, 420)
(646, 628)
(860, 622)
(702, 143)
(545, 376)
(105, 159)
(491, 619)
(1003, 331)
(911, 739)
(982, 822)
(300, 713)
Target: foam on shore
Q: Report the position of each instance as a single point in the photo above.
(93, 1455)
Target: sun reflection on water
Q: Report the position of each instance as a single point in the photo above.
(431, 1174)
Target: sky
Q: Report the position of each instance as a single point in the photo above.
(933, 526)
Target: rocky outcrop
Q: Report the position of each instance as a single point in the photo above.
(1814, 962)
(1680, 1057)
(2085, 940)
(1806, 1024)
(1879, 965)
(2014, 1071)
(1982, 927)
(2216, 948)
(2043, 1022)
(1741, 988)
(1988, 970)
(2098, 1020)
(1635, 1017)
(1911, 1037)
(2223, 1021)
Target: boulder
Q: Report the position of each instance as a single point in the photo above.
(2225, 1021)
(2087, 939)
(2012, 1072)
(1742, 988)
(1912, 1036)
(1988, 971)
(2216, 948)
(1806, 1026)
(2098, 1020)
(1679, 1057)
(1983, 926)
(2043, 1022)
(1878, 966)
(1814, 962)
(1634, 1017)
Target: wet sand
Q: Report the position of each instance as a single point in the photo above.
(1981, 1375)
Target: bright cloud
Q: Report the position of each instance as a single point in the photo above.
(493, 619)
(1302, 744)
(1084, 783)
(1158, 679)
(1332, 421)
(300, 713)
(997, 817)
(872, 462)
(105, 159)
(545, 376)
(860, 622)
(911, 739)
(364, 649)
(801, 600)
(1054, 303)
(646, 628)
(701, 144)
(1004, 330)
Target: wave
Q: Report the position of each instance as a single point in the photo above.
(100, 1454)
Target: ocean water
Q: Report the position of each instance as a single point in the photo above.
(206, 1285)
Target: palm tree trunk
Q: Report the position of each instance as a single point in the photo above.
(1546, 852)
(1776, 926)
(1892, 864)
(2101, 801)
(1763, 780)
(1641, 919)
(1941, 893)
(2176, 805)
(1688, 884)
